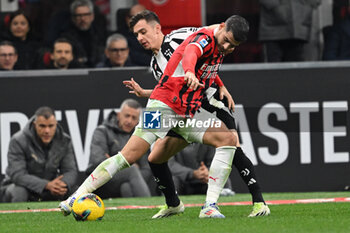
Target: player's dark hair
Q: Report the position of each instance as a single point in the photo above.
(147, 15)
(44, 111)
(239, 27)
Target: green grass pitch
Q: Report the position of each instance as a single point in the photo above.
(294, 218)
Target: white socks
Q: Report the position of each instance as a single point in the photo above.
(101, 175)
(219, 172)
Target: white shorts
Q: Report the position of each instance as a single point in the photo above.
(158, 119)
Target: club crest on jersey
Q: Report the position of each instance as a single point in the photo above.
(152, 119)
(203, 43)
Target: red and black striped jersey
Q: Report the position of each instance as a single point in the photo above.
(172, 89)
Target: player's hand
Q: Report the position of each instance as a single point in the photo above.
(192, 81)
(57, 187)
(223, 92)
(135, 88)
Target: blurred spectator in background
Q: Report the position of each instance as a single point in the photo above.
(190, 173)
(41, 161)
(116, 52)
(108, 139)
(60, 21)
(61, 56)
(136, 9)
(285, 27)
(8, 55)
(337, 43)
(19, 33)
(138, 55)
(87, 39)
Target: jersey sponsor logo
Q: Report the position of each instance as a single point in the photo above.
(210, 68)
(203, 43)
(151, 119)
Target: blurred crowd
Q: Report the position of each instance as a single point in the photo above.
(74, 34)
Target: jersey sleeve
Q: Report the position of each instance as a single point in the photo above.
(199, 45)
(203, 42)
(190, 57)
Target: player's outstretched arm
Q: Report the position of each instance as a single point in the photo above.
(137, 89)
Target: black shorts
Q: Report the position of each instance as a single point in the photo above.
(224, 114)
(172, 133)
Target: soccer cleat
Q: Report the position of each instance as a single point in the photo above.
(166, 211)
(259, 209)
(66, 206)
(210, 210)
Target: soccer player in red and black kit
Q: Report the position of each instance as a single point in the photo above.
(177, 98)
(147, 29)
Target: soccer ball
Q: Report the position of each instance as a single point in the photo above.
(88, 207)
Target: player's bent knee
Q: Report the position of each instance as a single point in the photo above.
(165, 148)
(218, 139)
(228, 139)
(235, 134)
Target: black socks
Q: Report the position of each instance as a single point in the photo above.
(246, 171)
(165, 183)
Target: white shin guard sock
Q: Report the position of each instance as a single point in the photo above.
(102, 174)
(219, 172)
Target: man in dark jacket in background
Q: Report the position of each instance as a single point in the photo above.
(41, 161)
(116, 52)
(8, 56)
(87, 39)
(285, 28)
(108, 139)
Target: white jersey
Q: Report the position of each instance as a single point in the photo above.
(170, 44)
